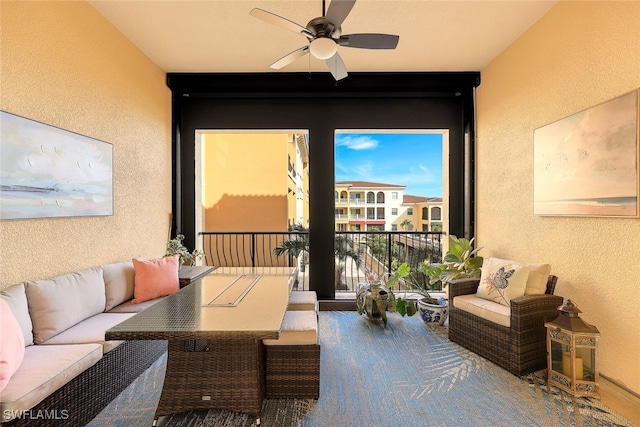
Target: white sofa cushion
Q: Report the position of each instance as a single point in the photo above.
(16, 298)
(130, 307)
(303, 300)
(44, 369)
(118, 283)
(488, 310)
(91, 330)
(538, 276)
(58, 303)
(502, 281)
(298, 328)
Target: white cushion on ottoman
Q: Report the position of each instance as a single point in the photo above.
(298, 328)
(303, 300)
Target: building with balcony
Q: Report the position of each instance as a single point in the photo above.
(374, 206)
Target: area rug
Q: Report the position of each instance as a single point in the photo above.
(405, 374)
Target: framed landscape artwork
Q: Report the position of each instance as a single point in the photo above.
(587, 164)
(47, 172)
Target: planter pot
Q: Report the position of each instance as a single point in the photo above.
(434, 313)
(364, 298)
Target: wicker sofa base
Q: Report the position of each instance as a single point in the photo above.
(521, 348)
(293, 371)
(81, 399)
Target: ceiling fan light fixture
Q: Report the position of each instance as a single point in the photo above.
(323, 47)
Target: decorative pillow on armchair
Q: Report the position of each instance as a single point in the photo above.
(502, 281)
(155, 278)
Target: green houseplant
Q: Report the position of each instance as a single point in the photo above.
(430, 308)
(176, 247)
(459, 262)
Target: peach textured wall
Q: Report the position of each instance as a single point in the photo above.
(246, 181)
(576, 56)
(64, 64)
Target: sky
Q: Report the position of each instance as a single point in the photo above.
(410, 159)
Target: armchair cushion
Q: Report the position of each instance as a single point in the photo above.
(483, 308)
(501, 281)
(538, 275)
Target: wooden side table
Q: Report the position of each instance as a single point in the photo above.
(188, 274)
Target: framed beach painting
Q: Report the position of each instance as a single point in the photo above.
(587, 164)
(48, 172)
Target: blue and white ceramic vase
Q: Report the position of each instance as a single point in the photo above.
(434, 313)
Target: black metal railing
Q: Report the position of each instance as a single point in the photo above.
(358, 253)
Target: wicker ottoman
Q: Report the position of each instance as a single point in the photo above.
(293, 360)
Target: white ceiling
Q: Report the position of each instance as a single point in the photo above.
(221, 36)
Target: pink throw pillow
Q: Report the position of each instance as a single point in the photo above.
(155, 278)
(11, 344)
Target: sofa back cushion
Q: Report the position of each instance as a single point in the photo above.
(16, 298)
(501, 281)
(118, 283)
(11, 344)
(538, 276)
(57, 304)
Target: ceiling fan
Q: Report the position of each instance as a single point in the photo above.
(324, 34)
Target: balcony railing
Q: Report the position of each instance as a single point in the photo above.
(376, 252)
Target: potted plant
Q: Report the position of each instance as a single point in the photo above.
(176, 247)
(374, 299)
(459, 262)
(431, 309)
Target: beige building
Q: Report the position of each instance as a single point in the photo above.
(374, 206)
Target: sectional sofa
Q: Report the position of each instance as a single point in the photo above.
(68, 373)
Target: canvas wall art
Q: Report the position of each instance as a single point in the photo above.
(47, 172)
(587, 164)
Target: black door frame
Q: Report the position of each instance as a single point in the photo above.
(260, 101)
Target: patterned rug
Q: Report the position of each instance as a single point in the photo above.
(407, 374)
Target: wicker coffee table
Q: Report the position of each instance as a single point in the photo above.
(215, 328)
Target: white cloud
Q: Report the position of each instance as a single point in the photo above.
(356, 142)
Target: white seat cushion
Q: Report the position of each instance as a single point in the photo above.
(488, 310)
(44, 369)
(303, 300)
(298, 328)
(91, 330)
(129, 307)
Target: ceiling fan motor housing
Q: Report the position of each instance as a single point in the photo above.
(320, 27)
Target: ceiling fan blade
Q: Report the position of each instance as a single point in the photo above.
(337, 67)
(290, 58)
(338, 11)
(369, 41)
(279, 21)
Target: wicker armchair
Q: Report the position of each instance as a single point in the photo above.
(520, 348)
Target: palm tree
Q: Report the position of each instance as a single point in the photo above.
(298, 246)
(405, 224)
